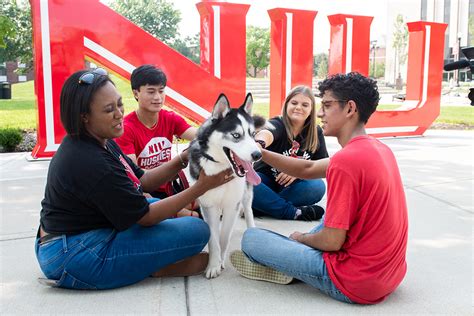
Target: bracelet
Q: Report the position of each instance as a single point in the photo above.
(184, 164)
(261, 142)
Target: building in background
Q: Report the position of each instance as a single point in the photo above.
(13, 72)
(458, 14)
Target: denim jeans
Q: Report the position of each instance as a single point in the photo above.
(290, 257)
(277, 201)
(106, 258)
(152, 199)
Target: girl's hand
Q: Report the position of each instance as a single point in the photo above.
(284, 179)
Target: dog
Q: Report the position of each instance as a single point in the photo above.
(225, 140)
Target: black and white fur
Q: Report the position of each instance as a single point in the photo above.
(229, 132)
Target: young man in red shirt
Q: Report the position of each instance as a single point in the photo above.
(149, 131)
(357, 253)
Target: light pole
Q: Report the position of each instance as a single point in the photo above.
(459, 58)
(374, 47)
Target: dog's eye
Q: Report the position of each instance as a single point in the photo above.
(236, 135)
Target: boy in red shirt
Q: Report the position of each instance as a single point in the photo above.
(148, 131)
(357, 254)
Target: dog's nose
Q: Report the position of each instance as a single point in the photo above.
(256, 155)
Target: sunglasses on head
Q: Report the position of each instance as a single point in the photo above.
(88, 77)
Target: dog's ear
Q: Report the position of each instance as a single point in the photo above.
(221, 108)
(247, 106)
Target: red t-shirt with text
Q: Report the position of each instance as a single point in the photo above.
(366, 198)
(152, 146)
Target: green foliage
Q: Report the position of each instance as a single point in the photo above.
(10, 138)
(18, 44)
(379, 69)
(7, 30)
(320, 66)
(400, 40)
(258, 49)
(160, 19)
(189, 47)
(157, 17)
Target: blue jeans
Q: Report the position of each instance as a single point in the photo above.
(290, 257)
(152, 199)
(277, 201)
(106, 258)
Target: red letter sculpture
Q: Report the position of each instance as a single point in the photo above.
(68, 32)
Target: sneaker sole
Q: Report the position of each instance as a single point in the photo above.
(257, 271)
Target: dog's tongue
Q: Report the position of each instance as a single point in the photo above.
(251, 176)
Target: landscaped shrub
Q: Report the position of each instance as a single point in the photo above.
(28, 142)
(10, 138)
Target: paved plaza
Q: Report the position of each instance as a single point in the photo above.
(437, 173)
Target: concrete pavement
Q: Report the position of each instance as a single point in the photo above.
(438, 176)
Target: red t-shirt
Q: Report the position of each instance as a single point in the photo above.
(366, 198)
(152, 146)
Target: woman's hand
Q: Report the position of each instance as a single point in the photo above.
(284, 179)
(211, 182)
(184, 157)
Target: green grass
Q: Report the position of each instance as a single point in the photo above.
(20, 112)
(457, 115)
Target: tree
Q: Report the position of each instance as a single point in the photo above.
(160, 19)
(379, 69)
(157, 17)
(320, 65)
(7, 30)
(17, 43)
(258, 49)
(189, 47)
(400, 42)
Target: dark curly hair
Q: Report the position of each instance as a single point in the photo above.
(353, 86)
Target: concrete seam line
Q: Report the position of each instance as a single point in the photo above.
(186, 295)
(443, 201)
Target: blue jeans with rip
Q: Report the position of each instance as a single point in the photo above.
(281, 202)
(292, 258)
(106, 258)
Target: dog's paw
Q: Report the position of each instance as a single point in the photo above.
(213, 272)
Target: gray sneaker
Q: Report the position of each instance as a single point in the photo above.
(257, 271)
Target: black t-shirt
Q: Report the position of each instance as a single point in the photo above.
(90, 187)
(282, 145)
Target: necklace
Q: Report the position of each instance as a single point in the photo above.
(142, 121)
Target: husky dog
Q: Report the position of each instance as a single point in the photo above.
(225, 140)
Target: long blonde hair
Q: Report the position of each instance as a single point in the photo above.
(310, 142)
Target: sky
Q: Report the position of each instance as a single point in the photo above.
(258, 16)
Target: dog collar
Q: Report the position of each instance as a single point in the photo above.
(208, 157)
